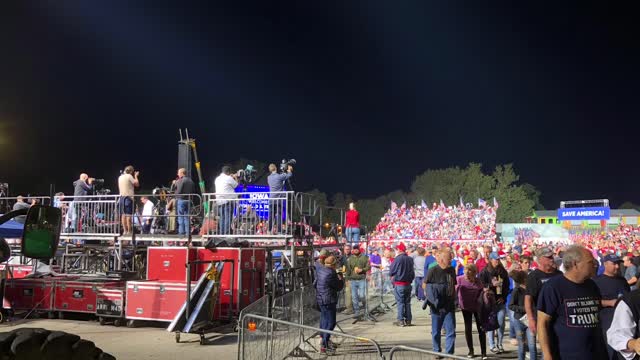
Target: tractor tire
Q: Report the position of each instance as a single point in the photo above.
(35, 343)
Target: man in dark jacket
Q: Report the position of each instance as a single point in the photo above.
(440, 286)
(185, 187)
(81, 188)
(328, 283)
(495, 277)
(402, 273)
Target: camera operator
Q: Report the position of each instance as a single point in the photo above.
(81, 188)
(83, 185)
(226, 184)
(276, 201)
(184, 188)
(127, 182)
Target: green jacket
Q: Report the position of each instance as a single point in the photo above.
(361, 262)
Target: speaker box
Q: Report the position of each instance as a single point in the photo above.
(184, 158)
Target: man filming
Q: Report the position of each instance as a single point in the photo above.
(127, 182)
(81, 188)
(276, 201)
(226, 184)
(83, 185)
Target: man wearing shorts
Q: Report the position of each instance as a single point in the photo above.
(127, 182)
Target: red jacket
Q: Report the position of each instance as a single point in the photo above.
(352, 219)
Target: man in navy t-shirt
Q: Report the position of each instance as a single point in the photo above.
(612, 287)
(568, 310)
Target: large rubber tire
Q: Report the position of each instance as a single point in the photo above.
(35, 343)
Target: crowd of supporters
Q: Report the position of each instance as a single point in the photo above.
(504, 283)
(457, 222)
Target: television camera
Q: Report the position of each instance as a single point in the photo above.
(285, 164)
(247, 175)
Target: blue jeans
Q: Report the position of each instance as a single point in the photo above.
(327, 321)
(531, 340)
(353, 236)
(448, 320)
(183, 221)
(403, 299)
(225, 213)
(521, 335)
(417, 283)
(500, 331)
(512, 324)
(357, 293)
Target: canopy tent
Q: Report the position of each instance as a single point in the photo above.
(11, 229)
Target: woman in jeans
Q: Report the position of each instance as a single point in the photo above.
(516, 304)
(469, 290)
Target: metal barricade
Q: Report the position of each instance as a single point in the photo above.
(288, 307)
(290, 279)
(8, 203)
(375, 288)
(262, 337)
(161, 214)
(402, 352)
(251, 215)
(92, 215)
(104, 216)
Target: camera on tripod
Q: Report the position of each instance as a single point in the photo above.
(247, 175)
(285, 164)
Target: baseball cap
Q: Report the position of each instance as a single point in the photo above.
(544, 252)
(401, 247)
(494, 256)
(612, 257)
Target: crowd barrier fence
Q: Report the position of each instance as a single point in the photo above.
(262, 338)
(249, 215)
(100, 216)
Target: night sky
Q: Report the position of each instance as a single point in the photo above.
(365, 95)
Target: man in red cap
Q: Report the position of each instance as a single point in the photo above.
(402, 275)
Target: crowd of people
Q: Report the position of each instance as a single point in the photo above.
(458, 222)
(559, 299)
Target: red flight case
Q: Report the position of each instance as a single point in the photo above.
(155, 300)
(168, 263)
(110, 302)
(27, 294)
(242, 280)
(80, 296)
(17, 271)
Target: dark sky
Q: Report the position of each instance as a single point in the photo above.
(365, 95)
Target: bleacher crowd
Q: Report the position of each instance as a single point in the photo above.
(457, 222)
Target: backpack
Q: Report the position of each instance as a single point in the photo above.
(488, 312)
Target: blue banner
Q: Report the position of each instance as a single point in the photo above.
(584, 213)
(256, 196)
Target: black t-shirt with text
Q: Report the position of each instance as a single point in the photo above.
(575, 331)
(536, 279)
